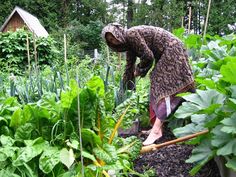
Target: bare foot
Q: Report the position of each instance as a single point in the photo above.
(152, 137)
(155, 134)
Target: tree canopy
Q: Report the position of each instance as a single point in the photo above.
(84, 19)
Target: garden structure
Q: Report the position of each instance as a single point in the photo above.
(20, 18)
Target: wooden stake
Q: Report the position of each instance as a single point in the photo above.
(28, 53)
(65, 52)
(35, 55)
(79, 130)
(182, 22)
(206, 23)
(65, 59)
(154, 147)
(189, 18)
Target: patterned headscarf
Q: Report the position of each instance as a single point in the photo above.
(118, 32)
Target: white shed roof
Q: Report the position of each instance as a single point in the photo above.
(31, 21)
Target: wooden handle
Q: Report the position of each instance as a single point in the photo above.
(154, 147)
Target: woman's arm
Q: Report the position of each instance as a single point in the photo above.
(140, 47)
(128, 77)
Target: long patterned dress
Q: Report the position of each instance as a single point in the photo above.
(171, 73)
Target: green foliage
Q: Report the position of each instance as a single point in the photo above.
(201, 154)
(173, 14)
(88, 11)
(213, 105)
(42, 136)
(218, 24)
(13, 51)
(228, 72)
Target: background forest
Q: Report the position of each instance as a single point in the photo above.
(83, 20)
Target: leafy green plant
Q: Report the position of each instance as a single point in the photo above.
(41, 138)
(13, 51)
(213, 105)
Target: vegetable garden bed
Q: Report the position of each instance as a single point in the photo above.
(64, 122)
(169, 161)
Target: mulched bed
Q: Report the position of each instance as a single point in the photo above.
(169, 161)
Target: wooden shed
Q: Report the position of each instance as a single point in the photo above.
(20, 18)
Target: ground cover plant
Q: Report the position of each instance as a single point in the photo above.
(212, 107)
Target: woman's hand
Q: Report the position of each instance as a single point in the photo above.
(142, 70)
(136, 74)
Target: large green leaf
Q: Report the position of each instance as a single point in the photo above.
(233, 91)
(131, 146)
(49, 159)
(214, 50)
(49, 103)
(188, 129)
(16, 119)
(6, 140)
(9, 104)
(220, 138)
(107, 153)
(24, 131)
(193, 40)
(206, 82)
(90, 137)
(7, 152)
(225, 142)
(33, 148)
(200, 102)
(5, 173)
(179, 32)
(88, 108)
(217, 65)
(228, 72)
(229, 124)
(199, 118)
(67, 97)
(20, 117)
(88, 155)
(27, 114)
(201, 155)
(231, 163)
(67, 157)
(3, 155)
(186, 110)
(40, 112)
(228, 148)
(204, 99)
(28, 170)
(97, 85)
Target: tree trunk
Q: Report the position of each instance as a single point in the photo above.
(65, 12)
(130, 13)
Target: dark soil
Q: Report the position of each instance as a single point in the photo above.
(169, 161)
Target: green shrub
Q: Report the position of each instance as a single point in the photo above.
(13, 51)
(213, 106)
